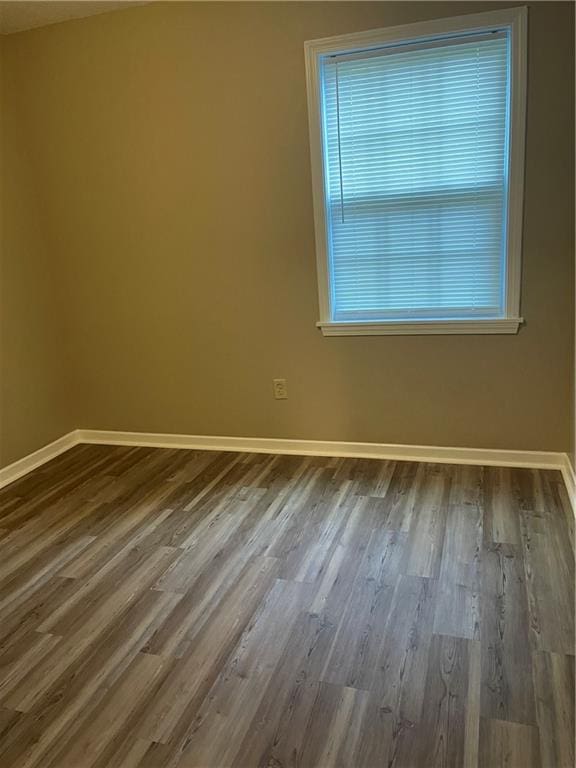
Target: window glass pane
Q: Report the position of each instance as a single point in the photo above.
(416, 158)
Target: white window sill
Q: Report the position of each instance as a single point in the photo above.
(422, 327)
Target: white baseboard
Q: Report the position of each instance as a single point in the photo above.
(434, 454)
(390, 451)
(34, 460)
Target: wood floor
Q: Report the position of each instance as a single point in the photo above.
(165, 608)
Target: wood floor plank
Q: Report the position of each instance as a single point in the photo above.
(558, 502)
(77, 694)
(51, 563)
(402, 493)
(458, 604)
(171, 608)
(14, 734)
(207, 541)
(554, 683)
(357, 645)
(125, 696)
(333, 730)
(549, 569)
(13, 670)
(77, 642)
(507, 688)
(193, 677)
(229, 707)
(129, 754)
(440, 737)
(429, 523)
(26, 617)
(510, 745)
(472, 728)
(335, 583)
(297, 671)
(400, 673)
(459, 600)
(501, 521)
(130, 530)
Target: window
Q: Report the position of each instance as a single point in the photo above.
(417, 141)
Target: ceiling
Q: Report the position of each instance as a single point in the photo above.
(18, 15)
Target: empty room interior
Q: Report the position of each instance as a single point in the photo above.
(287, 384)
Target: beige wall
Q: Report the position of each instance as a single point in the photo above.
(35, 407)
(170, 149)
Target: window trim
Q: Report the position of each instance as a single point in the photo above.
(513, 19)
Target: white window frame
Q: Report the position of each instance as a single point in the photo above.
(515, 21)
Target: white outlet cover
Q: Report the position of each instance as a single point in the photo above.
(280, 389)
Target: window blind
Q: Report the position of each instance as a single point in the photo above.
(415, 158)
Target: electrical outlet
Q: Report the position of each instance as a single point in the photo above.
(280, 389)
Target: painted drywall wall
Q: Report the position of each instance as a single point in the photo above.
(171, 152)
(36, 404)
